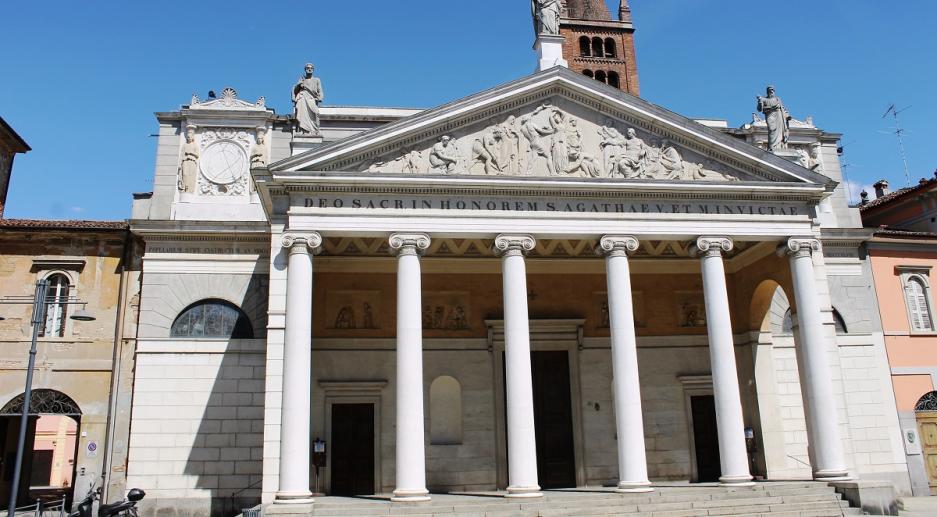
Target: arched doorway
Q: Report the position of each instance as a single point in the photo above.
(925, 412)
(48, 470)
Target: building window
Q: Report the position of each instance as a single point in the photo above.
(610, 47)
(597, 47)
(613, 80)
(600, 76)
(445, 411)
(56, 306)
(588, 73)
(585, 46)
(212, 319)
(915, 290)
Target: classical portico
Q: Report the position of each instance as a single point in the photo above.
(507, 226)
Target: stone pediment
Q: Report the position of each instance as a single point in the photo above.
(554, 124)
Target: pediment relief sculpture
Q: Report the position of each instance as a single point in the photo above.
(549, 141)
(215, 161)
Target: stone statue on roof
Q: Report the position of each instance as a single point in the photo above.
(778, 120)
(307, 96)
(547, 16)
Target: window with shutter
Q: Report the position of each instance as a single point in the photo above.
(918, 306)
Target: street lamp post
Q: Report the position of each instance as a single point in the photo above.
(39, 302)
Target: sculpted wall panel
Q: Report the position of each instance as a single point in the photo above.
(553, 139)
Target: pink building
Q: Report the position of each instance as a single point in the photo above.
(903, 254)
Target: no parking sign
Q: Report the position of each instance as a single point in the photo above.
(92, 450)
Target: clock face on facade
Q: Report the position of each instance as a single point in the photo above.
(223, 162)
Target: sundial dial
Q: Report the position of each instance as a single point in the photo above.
(223, 162)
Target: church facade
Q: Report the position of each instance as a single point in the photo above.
(552, 283)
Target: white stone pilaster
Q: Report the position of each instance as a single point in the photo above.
(817, 389)
(730, 424)
(297, 365)
(411, 455)
(629, 421)
(522, 444)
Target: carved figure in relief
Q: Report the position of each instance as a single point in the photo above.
(444, 157)
(575, 161)
(368, 322)
(546, 16)
(345, 318)
(427, 317)
(510, 147)
(777, 118)
(487, 150)
(411, 161)
(539, 128)
(612, 145)
(259, 149)
(458, 320)
(633, 159)
(188, 168)
(307, 95)
(438, 317)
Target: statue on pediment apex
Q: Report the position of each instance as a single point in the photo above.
(307, 96)
(777, 118)
(546, 16)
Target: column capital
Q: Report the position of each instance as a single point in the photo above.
(511, 245)
(304, 242)
(711, 246)
(409, 243)
(797, 247)
(617, 245)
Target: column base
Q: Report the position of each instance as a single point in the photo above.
(634, 487)
(745, 480)
(410, 496)
(294, 498)
(832, 475)
(524, 492)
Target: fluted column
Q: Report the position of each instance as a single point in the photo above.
(730, 424)
(817, 389)
(522, 443)
(297, 370)
(411, 456)
(629, 422)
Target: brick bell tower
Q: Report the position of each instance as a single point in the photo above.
(598, 46)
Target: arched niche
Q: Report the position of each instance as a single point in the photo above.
(445, 411)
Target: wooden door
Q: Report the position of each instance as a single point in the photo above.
(352, 461)
(927, 423)
(553, 419)
(705, 438)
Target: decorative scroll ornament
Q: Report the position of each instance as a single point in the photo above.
(311, 240)
(511, 245)
(711, 246)
(617, 245)
(227, 101)
(548, 142)
(799, 247)
(43, 402)
(409, 243)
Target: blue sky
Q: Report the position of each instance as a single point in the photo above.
(81, 80)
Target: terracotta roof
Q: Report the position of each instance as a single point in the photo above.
(42, 224)
(896, 233)
(879, 201)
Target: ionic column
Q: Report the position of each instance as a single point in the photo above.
(411, 458)
(297, 370)
(522, 444)
(729, 421)
(629, 422)
(820, 407)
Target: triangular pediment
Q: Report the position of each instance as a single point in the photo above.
(554, 124)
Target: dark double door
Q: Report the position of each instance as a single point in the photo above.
(352, 467)
(553, 419)
(705, 438)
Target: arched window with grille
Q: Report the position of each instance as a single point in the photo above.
(56, 308)
(212, 319)
(613, 80)
(597, 47)
(585, 46)
(610, 50)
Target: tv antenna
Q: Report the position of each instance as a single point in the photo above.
(899, 133)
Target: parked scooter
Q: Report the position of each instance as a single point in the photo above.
(124, 508)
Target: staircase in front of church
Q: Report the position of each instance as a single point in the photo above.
(774, 499)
